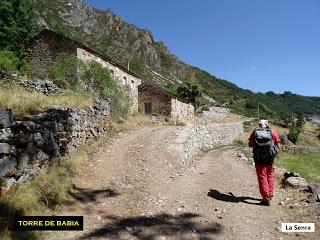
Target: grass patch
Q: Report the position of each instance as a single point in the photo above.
(239, 143)
(23, 102)
(307, 165)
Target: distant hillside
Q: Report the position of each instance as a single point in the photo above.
(112, 36)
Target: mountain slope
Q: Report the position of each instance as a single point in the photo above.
(112, 36)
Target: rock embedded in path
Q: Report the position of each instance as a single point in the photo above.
(296, 182)
(311, 199)
(314, 189)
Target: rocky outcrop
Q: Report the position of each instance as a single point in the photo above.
(29, 144)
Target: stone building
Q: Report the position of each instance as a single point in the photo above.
(44, 50)
(154, 100)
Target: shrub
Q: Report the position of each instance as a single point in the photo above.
(293, 134)
(71, 72)
(97, 77)
(9, 62)
(300, 121)
(190, 91)
(65, 72)
(3, 182)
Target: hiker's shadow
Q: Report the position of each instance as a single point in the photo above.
(231, 198)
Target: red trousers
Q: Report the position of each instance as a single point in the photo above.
(265, 175)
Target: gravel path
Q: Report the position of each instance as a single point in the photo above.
(137, 187)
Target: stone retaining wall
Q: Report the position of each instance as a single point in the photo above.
(196, 137)
(300, 149)
(32, 143)
(181, 112)
(45, 87)
(216, 113)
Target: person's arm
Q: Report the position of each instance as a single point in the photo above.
(276, 138)
(251, 140)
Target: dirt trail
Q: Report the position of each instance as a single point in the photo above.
(136, 188)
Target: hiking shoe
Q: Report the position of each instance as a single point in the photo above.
(265, 202)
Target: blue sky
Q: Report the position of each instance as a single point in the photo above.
(261, 45)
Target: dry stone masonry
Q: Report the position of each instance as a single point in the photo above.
(45, 87)
(216, 113)
(154, 100)
(196, 137)
(28, 145)
(181, 112)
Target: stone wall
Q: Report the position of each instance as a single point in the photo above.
(300, 149)
(164, 104)
(42, 86)
(28, 145)
(181, 112)
(44, 50)
(197, 137)
(124, 78)
(216, 113)
(161, 102)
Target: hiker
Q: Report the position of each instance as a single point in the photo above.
(265, 143)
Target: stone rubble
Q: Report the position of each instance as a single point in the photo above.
(45, 87)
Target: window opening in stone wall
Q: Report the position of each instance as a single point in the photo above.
(147, 108)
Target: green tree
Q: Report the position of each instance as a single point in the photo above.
(17, 25)
(293, 134)
(301, 121)
(190, 91)
(296, 128)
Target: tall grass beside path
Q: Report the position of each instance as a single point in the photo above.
(23, 102)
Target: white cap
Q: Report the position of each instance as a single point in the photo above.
(263, 123)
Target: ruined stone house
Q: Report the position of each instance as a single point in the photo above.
(156, 101)
(44, 50)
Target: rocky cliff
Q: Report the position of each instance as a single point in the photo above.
(111, 36)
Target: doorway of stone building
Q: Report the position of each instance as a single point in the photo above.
(147, 108)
